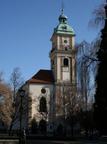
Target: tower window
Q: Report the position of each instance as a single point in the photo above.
(66, 48)
(66, 62)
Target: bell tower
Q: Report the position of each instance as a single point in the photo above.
(63, 62)
(62, 54)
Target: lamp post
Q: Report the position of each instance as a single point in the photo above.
(22, 94)
(1, 99)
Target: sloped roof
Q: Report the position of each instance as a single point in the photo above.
(42, 77)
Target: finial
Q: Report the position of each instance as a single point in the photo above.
(62, 7)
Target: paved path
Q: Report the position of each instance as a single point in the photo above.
(4, 141)
(64, 142)
(53, 142)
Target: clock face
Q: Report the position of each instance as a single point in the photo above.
(65, 41)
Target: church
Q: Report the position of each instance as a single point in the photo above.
(48, 93)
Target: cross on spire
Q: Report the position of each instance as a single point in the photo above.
(62, 7)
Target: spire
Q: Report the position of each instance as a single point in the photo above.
(62, 8)
(63, 27)
(62, 17)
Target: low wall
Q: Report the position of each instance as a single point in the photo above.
(6, 139)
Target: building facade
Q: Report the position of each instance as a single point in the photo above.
(49, 93)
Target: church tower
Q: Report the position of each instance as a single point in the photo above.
(63, 65)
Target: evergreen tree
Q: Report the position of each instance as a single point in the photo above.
(100, 106)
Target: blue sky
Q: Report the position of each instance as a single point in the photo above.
(26, 27)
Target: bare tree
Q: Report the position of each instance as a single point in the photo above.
(98, 17)
(16, 81)
(86, 71)
(70, 106)
(5, 104)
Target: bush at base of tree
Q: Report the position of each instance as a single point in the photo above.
(34, 127)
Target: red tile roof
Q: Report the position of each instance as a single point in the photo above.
(42, 77)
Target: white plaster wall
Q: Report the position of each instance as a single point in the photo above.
(58, 42)
(35, 94)
(73, 43)
(66, 76)
(73, 70)
(58, 68)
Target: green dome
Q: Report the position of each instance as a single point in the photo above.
(63, 27)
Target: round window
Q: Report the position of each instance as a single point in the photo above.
(43, 90)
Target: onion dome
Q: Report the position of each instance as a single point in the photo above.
(63, 27)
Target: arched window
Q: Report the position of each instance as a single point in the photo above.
(43, 106)
(66, 62)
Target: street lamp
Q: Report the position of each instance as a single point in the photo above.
(1, 99)
(22, 94)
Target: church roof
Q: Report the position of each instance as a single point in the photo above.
(42, 77)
